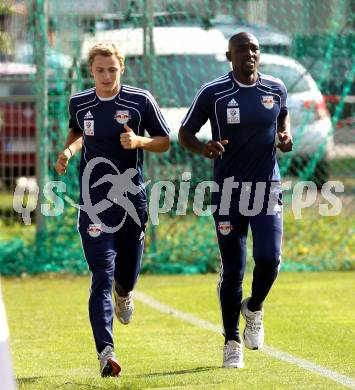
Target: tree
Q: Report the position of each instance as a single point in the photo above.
(6, 9)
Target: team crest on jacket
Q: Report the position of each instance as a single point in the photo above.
(122, 116)
(89, 127)
(224, 227)
(233, 115)
(94, 230)
(268, 102)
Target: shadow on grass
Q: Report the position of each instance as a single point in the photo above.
(28, 380)
(77, 386)
(180, 372)
(35, 379)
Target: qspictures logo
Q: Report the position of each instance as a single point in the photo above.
(163, 199)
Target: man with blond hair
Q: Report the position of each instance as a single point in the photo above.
(107, 122)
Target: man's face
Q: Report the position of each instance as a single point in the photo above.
(107, 73)
(244, 53)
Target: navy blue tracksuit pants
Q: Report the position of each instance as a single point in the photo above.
(232, 231)
(110, 256)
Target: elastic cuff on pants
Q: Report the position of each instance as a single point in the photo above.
(120, 290)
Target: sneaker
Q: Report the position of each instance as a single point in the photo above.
(124, 307)
(233, 355)
(253, 334)
(108, 363)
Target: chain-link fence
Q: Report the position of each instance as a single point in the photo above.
(172, 48)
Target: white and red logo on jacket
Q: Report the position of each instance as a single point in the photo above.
(224, 227)
(122, 116)
(267, 101)
(94, 230)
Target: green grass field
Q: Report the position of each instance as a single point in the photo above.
(308, 315)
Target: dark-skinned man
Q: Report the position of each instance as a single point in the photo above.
(246, 110)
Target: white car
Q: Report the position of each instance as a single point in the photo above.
(311, 125)
(186, 58)
(310, 120)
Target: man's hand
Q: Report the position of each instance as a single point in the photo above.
(214, 149)
(129, 140)
(286, 142)
(62, 162)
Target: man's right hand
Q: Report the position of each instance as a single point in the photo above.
(62, 162)
(214, 149)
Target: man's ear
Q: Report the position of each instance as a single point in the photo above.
(122, 71)
(228, 56)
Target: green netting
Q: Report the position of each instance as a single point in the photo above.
(318, 34)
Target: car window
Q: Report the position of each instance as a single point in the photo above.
(16, 87)
(293, 79)
(22, 89)
(177, 77)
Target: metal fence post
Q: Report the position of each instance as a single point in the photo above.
(40, 47)
(148, 58)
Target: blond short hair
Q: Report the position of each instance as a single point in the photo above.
(106, 49)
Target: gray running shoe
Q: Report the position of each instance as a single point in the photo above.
(124, 307)
(233, 355)
(108, 363)
(253, 334)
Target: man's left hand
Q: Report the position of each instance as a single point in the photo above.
(129, 140)
(286, 142)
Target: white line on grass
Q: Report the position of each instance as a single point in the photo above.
(286, 357)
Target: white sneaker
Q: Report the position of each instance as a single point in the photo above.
(124, 307)
(253, 334)
(108, 363)
(233, 355)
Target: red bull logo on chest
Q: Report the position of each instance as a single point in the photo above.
(267, 102)
(122, 116)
